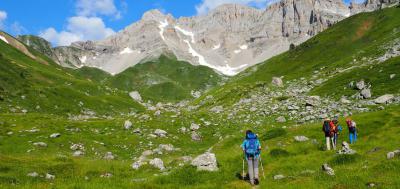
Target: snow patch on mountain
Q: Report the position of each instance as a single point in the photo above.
(187, 33)
(216, 47)
(243, 47)
(83, 59)
(3, 39)
(162, 27)
(127, 50)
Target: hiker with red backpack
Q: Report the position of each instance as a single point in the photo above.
(337, 130)
(352, 130)
(328, 128)
(252, 148)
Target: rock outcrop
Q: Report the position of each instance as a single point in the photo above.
(205, 162)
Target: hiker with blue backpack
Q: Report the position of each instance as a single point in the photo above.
(252, 148)
(337, 130)
(352, 130)
(328, 128)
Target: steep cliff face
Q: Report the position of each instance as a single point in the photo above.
(229, 39)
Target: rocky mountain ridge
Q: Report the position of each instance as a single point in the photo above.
(229, 39)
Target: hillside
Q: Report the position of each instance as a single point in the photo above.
(65, 128)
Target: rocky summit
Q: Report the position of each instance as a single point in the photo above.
(228, 39)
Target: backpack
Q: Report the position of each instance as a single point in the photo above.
(251, 147)
(327, 127)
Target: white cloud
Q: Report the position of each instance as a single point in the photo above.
(97, 7)
(17, 29)
(207, 5)
(79, 28)
(3, 17)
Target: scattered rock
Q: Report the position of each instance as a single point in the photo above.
(183, 129)
(366, 93)
(194, 127)
(78, 146)
(109, 156)
(344, 100)
(277, 81)
(360, 85)
(384, 99)
(157, 163)
(136, 165)
(106, 175)
(160, 133)
(392, 76)
(328, 170)
(346, 149)
(40, 144)
(55, 135)
(137, 131)
(280, 119)
(135, 96)
(50, 176)
(301, 138)
(279, 177)
(33, 174)
(217, 109)
(313, 101)
(78, 153)
(371, 185)
(206, 162)
(195, 136)
(127, 124)
(393, 154)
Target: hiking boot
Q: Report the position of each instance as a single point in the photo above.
(256, 181)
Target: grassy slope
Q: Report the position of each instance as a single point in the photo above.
(166, 79)
(49, 85)
(359, 36)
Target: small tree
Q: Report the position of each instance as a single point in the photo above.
(292, 46)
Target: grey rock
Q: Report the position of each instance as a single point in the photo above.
(384, 99)
(127, 124)
(33, 174)
(195, 136)
(55, 135)
(40, 144)
(206, 162)
(160, 133)
(301, 138)
(328, 170)
(392, 76)
(136, 165)
(393, 154)
(157, 163)
(78, 153)
(277, 81)
(194, 127)
(346, 149)
(109, 156)
(135, 95)
(366, 93)
(280, 119)
(360, 85)
(279, 177)
(50, 176)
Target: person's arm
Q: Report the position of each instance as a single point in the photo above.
(243, 145)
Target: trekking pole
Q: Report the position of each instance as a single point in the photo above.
(243, 169)
(262, 167)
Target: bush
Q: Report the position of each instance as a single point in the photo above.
(292, 46)
(345, 159)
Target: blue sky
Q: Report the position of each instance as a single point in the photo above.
(64, 21)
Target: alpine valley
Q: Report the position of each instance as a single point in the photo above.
(165, 102)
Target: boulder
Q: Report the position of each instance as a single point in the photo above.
(279, 177)
(194, 127)
(77, 146)
(135, 96)
(360, 85)
(344, 100)
(328, 170)
(50, 176)
(366, 93)
(33, 174)
(109, 156)
(40, 144)
(166, 147)
(384, 99)
(55, 135)
(393, 154)
(195, 136)
(160, 133)
(127, 124)
(346, 149)
(280, 119)
(301, 138)
(277, 81)
(78, 153)
(313, 101)
(157, 163)
(136, 165)
(392, 76)
(205, 162)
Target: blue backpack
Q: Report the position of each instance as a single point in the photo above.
(251, 147)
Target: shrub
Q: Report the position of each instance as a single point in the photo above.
(278, 153)
(274, 133)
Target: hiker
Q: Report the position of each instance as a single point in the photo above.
(337, 129)
(352, 130)
(252, 148)
(327, 129)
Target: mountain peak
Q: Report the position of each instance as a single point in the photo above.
(153, 14)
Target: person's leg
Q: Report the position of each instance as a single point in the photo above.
(351, 138)
(256, 161)
(328, 145)
(355, 136)
(250, 169)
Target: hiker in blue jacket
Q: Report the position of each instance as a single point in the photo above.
(252, 148)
